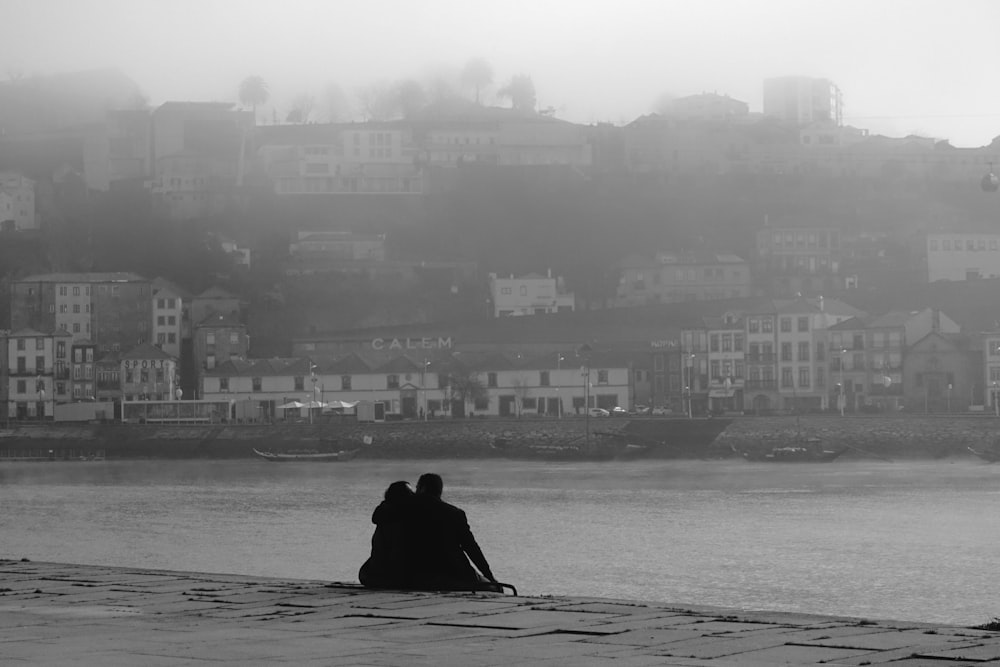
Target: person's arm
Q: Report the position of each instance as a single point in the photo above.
(471, 547)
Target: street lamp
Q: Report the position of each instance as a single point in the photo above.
(423, 385)
(949, 397)
(996, 406)
(559, 360)
(689, 383)
(312, 398)
(842, 400)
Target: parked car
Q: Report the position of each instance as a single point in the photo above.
(599, 412)
(619, 411)
(662, 411)
(641, 410)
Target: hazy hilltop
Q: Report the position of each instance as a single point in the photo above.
(32, 105)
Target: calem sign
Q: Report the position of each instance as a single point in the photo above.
(423, 343)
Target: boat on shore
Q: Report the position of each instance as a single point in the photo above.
(988, 455)
(307, 455)
(794, 454)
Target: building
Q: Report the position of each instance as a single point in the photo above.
(17, 201)
(148, 374)
(219, 337)
(333, 246)
(170, 307)
(119, 149)
(940, 373)
(109, 377)
(83, 365)
(214, 300)
(803, 100)
(673, 277)
(708, 106)
(962, 256)
(794, 259)
(30, 363)
(530, 294)
(429, 387)
(112, 309)
(198, 157)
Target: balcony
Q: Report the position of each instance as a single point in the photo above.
(853, 347)
(763, 358)
(762, 384)
(30, 372)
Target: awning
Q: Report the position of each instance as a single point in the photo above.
(721, 393)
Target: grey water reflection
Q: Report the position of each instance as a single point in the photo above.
(912, 541)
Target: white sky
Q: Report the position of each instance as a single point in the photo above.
(922, 66)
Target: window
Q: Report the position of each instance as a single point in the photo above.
(767, 325)
(20, 343)
(210, 361)
(786, 377)
(804, 351)
(786, 324)
(210, 338)
(345, 381)
(171, 337)
(786, 351)
(76, 327)
(39, 343)
(715, 369)
(256, 384)
(602, 377)
(738, 342)
(543, 378)
(754, 325)
(234, 338)
(491, 379)
(820, 377)
(76, 290)
(727, 342)
(803, 376)
(39, 364)
(820, 351)
(171, 320)
(505, 290)
(161, 320)
(62, 290)
(161, 338)
(300, 383)
(713, 343)
(161, 304)
(159, 375)
(22, 386)
(129, 376)
(223, 384)
(144, 375)
(482, 403)
(61, 350)
(803, 324)
(392, 381)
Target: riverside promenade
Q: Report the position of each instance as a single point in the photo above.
(63, 614)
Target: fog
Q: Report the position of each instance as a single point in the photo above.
(904, 66)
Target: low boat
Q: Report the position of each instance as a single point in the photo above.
(988, 455)
(795, 454)
(307, 455)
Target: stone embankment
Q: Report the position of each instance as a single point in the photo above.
(897, 436)
(61, 614)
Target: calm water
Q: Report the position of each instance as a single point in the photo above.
(917, 541)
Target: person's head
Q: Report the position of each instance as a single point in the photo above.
(398, 491)
(430, 484)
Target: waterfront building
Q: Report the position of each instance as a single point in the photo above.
(111, 309)
(941, 372)
(109, 376)
(672, 277)
(530, 294)
(83, 365)
(118, 150)
(148, 374)
(797, 259)
(170, 321)
(219, 337)
(428, 386)
(30, 363)
(331, 246)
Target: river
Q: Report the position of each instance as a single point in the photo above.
(907, 541)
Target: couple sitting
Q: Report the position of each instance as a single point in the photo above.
(422, 542)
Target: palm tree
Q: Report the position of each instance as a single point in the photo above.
(253, 92)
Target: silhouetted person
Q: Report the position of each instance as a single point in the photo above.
(389, 564)
(443, 543)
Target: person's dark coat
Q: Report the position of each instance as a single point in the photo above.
(443, 545)
(390, 564)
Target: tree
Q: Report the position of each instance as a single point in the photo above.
(378, 102)
(521, 390)
(337, 104)
(477, 74)
(410, 97)
(465, 386)
(520, 90)
(302, 107)
(253, 92)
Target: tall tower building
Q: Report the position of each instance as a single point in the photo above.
(803, 100)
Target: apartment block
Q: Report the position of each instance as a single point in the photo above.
(529, 294)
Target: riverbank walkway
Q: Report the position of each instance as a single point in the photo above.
(62, 614)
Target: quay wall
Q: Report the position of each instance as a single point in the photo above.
(883, 435)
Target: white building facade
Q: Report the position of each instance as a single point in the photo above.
(962, 256)
(530, 294)
(18, 204)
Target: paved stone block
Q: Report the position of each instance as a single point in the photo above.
(979, 652)
(800, 655)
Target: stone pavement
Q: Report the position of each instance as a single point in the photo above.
(61, 614)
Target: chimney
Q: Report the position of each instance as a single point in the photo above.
(821, 303)
(550, 273)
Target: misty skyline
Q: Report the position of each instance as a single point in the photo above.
(917, 66)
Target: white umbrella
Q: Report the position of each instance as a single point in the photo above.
(313, 404)
(342, 405)
(290, 405)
